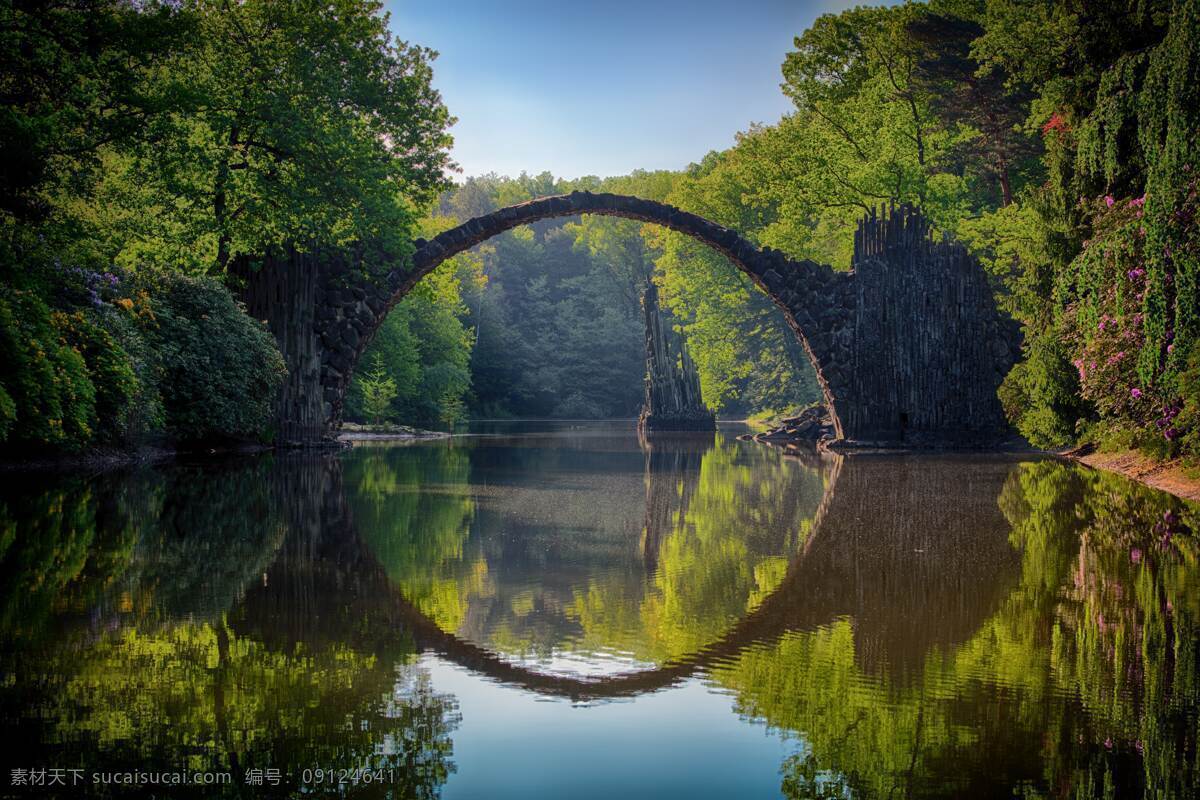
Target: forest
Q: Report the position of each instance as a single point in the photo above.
(147, 146)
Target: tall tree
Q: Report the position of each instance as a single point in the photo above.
(79, 77)
(305, 123)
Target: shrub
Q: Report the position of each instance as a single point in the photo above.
(220, 368)
(48, 396)
(1041, 394)
(129, 323)
(8, 413)
(109, 368)
(1185, 422)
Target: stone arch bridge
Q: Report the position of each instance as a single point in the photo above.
(908, 346)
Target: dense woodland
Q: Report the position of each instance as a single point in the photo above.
(147, 145)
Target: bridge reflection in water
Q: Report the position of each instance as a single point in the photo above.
(923, 626)
(515, 584)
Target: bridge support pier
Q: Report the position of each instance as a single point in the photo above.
(283, 291)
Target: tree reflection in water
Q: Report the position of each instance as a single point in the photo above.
(134, 614)
(541, 561)
(930, 626)
(1081, 683)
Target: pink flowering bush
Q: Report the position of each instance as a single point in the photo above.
(1106, 329)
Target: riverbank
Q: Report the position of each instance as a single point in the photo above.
(103, 459)
(353, 432)
(1167, 476)
(811, 429)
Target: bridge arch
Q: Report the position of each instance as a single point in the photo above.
(808, 298)
(908, 346)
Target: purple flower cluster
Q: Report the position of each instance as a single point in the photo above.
(95, 283)
(1166, 423)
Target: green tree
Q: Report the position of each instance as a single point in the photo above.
(378, 392)
(79, 78)
(301, 123)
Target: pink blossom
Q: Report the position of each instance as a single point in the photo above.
(1108, 200)
(1135, 555)
(1138, 202)
(1135, 393)
(1171, 348)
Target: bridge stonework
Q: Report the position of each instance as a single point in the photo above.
(908, 346)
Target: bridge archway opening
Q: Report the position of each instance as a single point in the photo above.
(348, 322)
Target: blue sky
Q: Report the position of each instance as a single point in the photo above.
(601, 88)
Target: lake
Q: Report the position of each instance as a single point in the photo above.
(562, 610)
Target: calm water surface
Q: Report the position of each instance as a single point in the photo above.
(564, 611)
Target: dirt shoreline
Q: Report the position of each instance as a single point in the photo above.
(1166, 476)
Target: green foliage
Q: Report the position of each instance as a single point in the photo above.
(419, 536)
(155, 138)
(50, 396)
(220, 368)
(176, 559)
(378, 392)
(1041, 394)
(1079, 678)
(1116, 100)
(423, 347)
(302, 123)
(558, 330)
(77, 78)
(721, 526)
(1187, 423)
(8, 413)
(110, 369)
